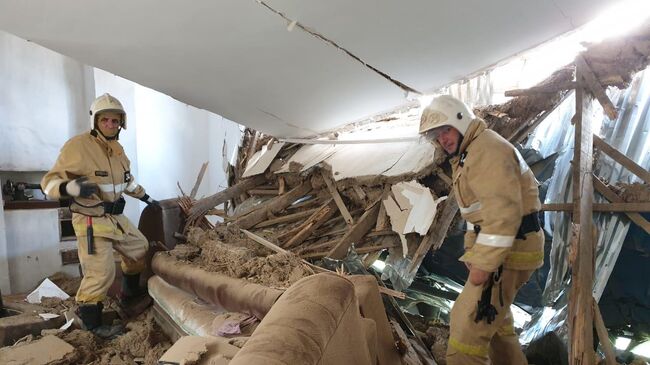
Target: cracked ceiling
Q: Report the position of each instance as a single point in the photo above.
(340, 62)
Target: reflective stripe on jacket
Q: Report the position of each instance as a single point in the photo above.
(495, 189)
(104, 163)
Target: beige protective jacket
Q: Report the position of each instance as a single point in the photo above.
(495, 189)
(104, 163)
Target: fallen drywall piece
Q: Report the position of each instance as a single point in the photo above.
(262, 159)
(46, 289)
(307, 157)
(41, 352)
(411, 209)
(200, 351)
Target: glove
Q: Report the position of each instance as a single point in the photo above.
(81, 188)
(149, 200)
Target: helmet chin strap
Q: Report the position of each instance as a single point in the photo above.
(460, 141)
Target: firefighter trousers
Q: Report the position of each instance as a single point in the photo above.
(482, 343)
(99, 268)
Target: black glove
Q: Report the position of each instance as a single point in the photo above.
(79, 187)
(150, 201)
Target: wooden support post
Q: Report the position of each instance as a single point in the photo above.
(599, 207)
(610, 195)
(273, 206)
(310, 225)
(365, 224)
(580, 297)
(205, 204)
(199, 178)
(331, 186)
(596, 88)
(603, 337)
(622, 159)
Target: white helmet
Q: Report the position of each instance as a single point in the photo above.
(446, 110)
(106, 103)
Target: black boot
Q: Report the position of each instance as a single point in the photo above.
(133, 299)
(91, 318)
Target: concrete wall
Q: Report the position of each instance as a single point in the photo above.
(44, 101)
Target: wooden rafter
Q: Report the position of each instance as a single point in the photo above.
(610, 195)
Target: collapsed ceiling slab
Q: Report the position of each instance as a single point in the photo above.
(238, 58)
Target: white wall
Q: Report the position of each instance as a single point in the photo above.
(44, 100)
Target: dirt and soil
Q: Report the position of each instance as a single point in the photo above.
(144, 342)
(240, 258)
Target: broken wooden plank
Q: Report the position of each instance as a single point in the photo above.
(391, 292)
(337, 198)
(199, 178)
(282, 185)
(610, 195)
(408, 353)
(596, 88)
(546, 89)
(360, 250)
(205, 204)
(360, 193)
(600, 207)
(365, 223)
(273, 206)
(290, 218)
(264, 192)
(310, 225)
(603, 337)
(266, 243)
(622, 159)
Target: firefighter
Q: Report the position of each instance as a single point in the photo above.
(498, 197)
(93, 171)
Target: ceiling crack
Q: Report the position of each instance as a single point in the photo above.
(293, 23)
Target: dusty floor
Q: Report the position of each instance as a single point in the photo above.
(144, 342)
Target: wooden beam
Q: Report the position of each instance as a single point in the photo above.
(610, 195)
(622, 159)
(596, 88)
(205, 204)
(580, 298)
(273, 206)
(310, 225)
(199, 178)
(536, 90)
(360, 193)
(600, 207)
(603, 337)
(331, 186)
(264, 192)
(287, 218)
(365, 224)
(437, 232)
